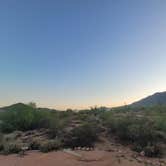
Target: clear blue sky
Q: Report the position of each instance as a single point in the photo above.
(81, 53)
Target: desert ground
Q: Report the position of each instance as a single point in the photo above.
(79, 158)
(96, 158)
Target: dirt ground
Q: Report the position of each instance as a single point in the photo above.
(84, 158)
(106, 153)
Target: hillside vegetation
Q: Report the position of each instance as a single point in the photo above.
(155, 99)
(141, 128)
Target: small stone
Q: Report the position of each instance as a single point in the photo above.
(92, 148)
(119, 151)
(142, 153)
(87, 149)
(83, 148)
(158, 164)
(24, 148)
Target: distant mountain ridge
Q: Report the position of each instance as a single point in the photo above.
(17, 106)
(158, 98)
(22, 106)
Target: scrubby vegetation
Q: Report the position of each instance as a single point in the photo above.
(83, 136)
(11, 147)
(50, 145)
(144, 129)
(22, 117)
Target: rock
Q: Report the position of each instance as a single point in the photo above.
(24, 148)
(119, 151)
(157, 163)
(83, 148)
(142, 153)
(91, 148)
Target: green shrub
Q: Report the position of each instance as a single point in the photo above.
(12, 136)
(153, 151)
(82, 136)
(137, 148)
(50, 145)
(55, 127)
(1, 137)
(19, 120)
(139, 131)
(1, 141)
(29, 119)
(12, 147)
(133, 129)
(161, 123)
(35, 144)
(1, 147)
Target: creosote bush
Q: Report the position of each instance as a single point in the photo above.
(139, 130)
(153, 151)
(83, 136)
(28, 118)
(50, 145)
(12, 147)
(35, 144)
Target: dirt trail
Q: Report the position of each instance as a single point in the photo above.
(60, 158)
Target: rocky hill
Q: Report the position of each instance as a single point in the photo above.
(155, 99)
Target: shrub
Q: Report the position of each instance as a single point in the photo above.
(1, 137)
(137, 148)
(35, 144)
(1, 141)
(28, 119)
(1, 147)
(50, 145)
(56, 126)
(133, 130)
(85, 135)
(139, 131)
(11, 147)
(12, 136)
(153, 151)
(161, 123)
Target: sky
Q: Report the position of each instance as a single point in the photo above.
(81, 53)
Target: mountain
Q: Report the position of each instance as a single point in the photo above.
(18, 107)
(21, 106)
(155, 99)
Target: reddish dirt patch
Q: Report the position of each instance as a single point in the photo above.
(92, 158)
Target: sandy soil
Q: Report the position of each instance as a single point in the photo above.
(61, 158)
